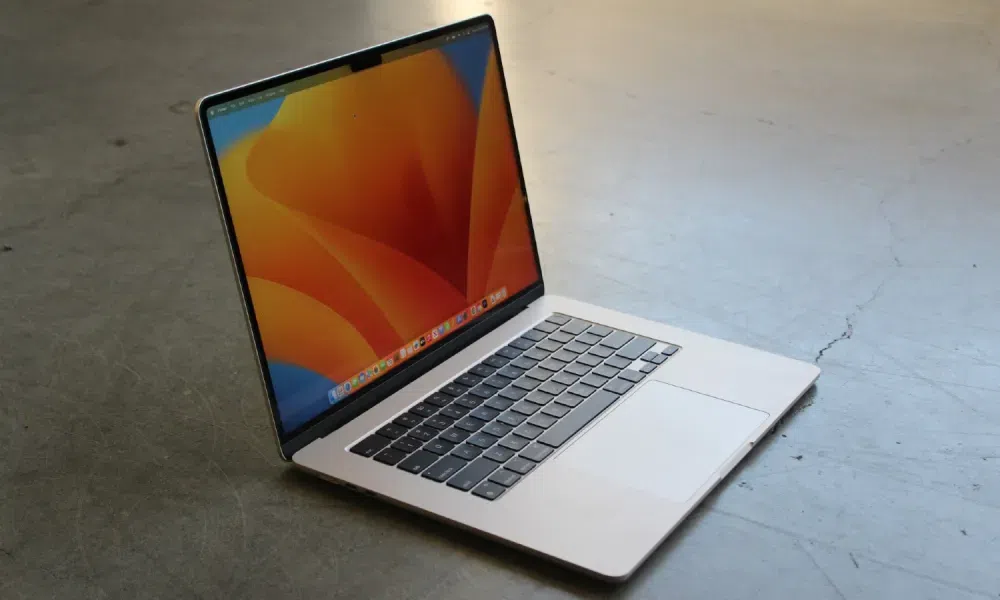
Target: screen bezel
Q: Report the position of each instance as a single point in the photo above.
(342, 412)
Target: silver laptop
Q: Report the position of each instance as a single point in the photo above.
(380, 231)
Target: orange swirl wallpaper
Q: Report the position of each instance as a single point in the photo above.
(369, 210)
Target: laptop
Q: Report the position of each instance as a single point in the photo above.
(380, 231)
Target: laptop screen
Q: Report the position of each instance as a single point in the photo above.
(376, 213)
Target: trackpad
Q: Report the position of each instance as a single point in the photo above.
(664, 440)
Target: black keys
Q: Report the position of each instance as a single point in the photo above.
(670, 350)
(370, 445)
(617, 339)
(636, 348)
(600, 330)
(483, 391)
(570, 400)
(576, 326)
(580, 389)
(577, 369)
(602, 351)
(659, 359)
(548, 346)
(576, 347)
(453, 389)
(551, 364)
(529, 431)
(535, 354)
(534, 335)
(392, 431)
(561, 337)
(513, 442)
(618, 362)
(497, 381)
(551, 387)
(522, 362)
(577, 419)
(472, 474)
(482, 370)
(511, 418)
(594, 380)
(499, 454)
(630, 375)
(497, 429)
(564, 355)
(588, 338)
(504, 477)
(489, 490)
(407, 420)
(423, 410)
(499, 403)
(513, 393)
(390, 456)
(619, 386)
(424, 433)
(444, 468)
(522, 344)
(508, 352)
(525, 408)
(543, 421)
(485, 413)
(455, 436)
(453, 412)
(649, 356)
(438, 399)
(536, 452)
(511, 372)
(520, 465)
(539, 373)
(606, 371)
(483, 440)
(526, 383)
(497, 362)
(469, 424)
(406, 444)
(546, 327)
(439, 446)
(468, 380)
(556, 410)
(558, 319)
(439, 422)
(565, 378)
(539, 398)
(418, 462)
(590, 360)
(467, 452)
(647, 368)
(469, 401)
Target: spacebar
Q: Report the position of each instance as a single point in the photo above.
(578, 418)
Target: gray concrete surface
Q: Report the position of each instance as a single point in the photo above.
(820, 179)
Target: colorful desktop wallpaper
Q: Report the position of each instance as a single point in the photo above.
(370, 209)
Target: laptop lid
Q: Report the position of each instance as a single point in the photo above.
(377, 218)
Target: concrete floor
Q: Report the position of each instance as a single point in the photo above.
(819, 179)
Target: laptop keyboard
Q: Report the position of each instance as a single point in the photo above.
(492, 425)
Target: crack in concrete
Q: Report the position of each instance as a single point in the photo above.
(848, 331)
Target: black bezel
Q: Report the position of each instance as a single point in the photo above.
(338, 414)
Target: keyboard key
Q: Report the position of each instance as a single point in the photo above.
(536, 452)
(600, 330)
(556, 410)
(469, 401)
(526, 383)
(529, 431)
(558, 319)
(577, 326)
(577, 419)
(483, 440)
(466, 452)
(469, 424)
(483, 391)
(522, 344)
(439, 422)
(497, 381)
(649, 356)
(497, 362)
(512, 442)
(513, 393)
(552, 364)
(539, 398)
(590, 360)
(511, 418)
(444, 468)
(636, 348)
(485, 413)
(504, 477)
(439, 446)
(423, 410)
(548, 346)
(453, 412)
(577, 369)
(522, 362)
(499, 403)
(606, 371)
(468, 380)
(546, 327)
(406, 444)
(520, 465)
(498, 429)
(438, 399)
(392, 431)
(390, 456)
(551, 387)
(564, 355)
(617, 339)
(647, 368)
(499, 454)
(482, 370)
(570, 400)
(602, 351)
(543, 421)
(593, 381)
(455, 436)
(534, 335)
(508, 352)
(511, 372)
(565, 378)
(472, 474)
(561, 337)
(418, 462)
(588, 338)
(539, 373)
(489, 490)
(370, 445)
(407, 420)
(619, 386)
(618, 362)
(423, 433)
(576, 347)
(670, 350)
(659, 359)
(525, 408)
(454, 390)
(536, 354)
(630, 375)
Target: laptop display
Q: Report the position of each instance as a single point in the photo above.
(376, 212)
